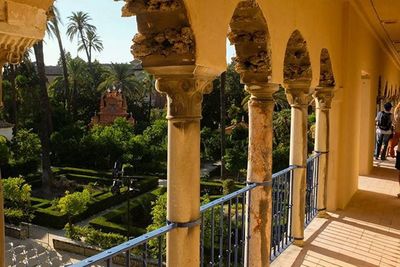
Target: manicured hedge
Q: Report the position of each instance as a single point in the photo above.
(49, 216)
(71, 170)
(215, 188)
(115, 220)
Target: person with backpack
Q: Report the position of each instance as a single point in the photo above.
(384, 131)
(396, 132)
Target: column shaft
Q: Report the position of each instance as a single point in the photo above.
(185, 94)
(183, 192)
(323, 98)
(298, 157)
(2, 225)
(297, 96)
(258, 232)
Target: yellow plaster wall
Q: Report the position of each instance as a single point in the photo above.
(353, 48)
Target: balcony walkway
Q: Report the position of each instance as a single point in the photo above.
(366, 233)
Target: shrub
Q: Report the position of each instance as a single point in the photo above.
(16, 192)
(94, 237)
(73, 204)
(16, 216)
(228, 186)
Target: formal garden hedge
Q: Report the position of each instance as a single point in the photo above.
(139, 209)
(47, 214)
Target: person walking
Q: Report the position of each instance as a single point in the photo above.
(393, 142)
(383, 123)
(398, 165)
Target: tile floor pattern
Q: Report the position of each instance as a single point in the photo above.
(366, 233)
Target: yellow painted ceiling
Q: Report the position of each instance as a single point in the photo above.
(388, 12)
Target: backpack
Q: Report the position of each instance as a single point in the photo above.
(384, 121)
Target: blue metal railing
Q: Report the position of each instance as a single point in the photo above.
(135, 250)
(223, 224)
(223, 229)
(311, 208)
(282, 202)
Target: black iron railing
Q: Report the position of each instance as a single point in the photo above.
(282, 202)
(223, 222)
(311, 208)
(223, 229)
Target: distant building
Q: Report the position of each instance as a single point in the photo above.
(6, 130)
(112, 105)
(52, 72)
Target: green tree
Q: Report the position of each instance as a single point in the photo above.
(45, 117)
(159, 219)
(76, 68)
(72, 205)
(236, 152)
(25, 151)
(54, 30)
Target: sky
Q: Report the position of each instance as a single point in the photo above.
(115, 31)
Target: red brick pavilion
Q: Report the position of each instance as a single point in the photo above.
(112, 105)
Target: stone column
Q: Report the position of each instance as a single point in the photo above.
(259, 170)
(297, 93)
(2, 224)
(184, 93)
(323, 99)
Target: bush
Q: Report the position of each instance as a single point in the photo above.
(16, 216)
(94, 237)
(116, 220)
(16, 192)
(228, 186)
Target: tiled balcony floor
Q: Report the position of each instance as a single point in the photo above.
(366, 233)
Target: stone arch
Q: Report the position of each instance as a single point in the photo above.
(297, 63)
(326, 76)
(164, 33)
(248, 31)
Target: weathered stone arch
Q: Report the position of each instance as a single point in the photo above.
(297, 64)
(165, 37)
(326, 76)
(248, 31)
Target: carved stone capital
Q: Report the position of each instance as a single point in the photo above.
(262, 91)
(323, 97)
(184, 95)
(297, 93)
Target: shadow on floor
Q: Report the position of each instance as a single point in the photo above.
(366, 233)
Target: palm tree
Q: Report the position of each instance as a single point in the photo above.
(79, 27)
(93, 42)
(45, 118)
(53, 30)
(76, 69)
(121, 76)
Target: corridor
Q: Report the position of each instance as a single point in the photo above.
(366, 233)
